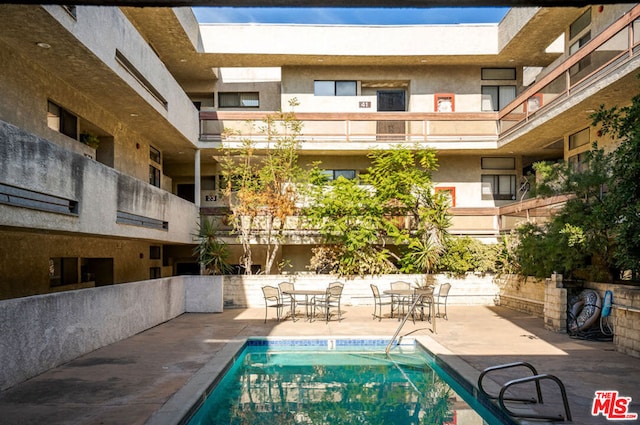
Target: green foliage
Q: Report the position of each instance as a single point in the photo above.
(596, 232)
(350, 218)
(90, 140)
(212, 253)
(324, 259)
(361, 217)
(465, 254)
(623, 124)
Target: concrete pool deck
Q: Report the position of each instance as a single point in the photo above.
(133, 381)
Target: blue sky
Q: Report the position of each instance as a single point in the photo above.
(351, 16)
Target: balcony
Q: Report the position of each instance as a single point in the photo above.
(603, 64)
(606, 60)
(45, 187)
(358, 131)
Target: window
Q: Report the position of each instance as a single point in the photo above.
(578, 38)
(155, 252)
(154, 176)
(498, 73)
(59, 119)
(154, 154)
(444, 102)
(498, 163)
(498, 187)
(334, 174)
(63, 271)
(334, 88)
(584, 62)
(449, 193)
(580, 24)
(238, 99)
(578, 139)
(155, 273)
(71, 10)
(494, 98)
(581, 42)
(135, 73)
(578, 162)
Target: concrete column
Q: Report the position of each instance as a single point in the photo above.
(555, 304)
(197, 178)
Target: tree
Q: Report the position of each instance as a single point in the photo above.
(623, 198)
(578, 240)
(392, 203)
(597, 232)
(261, 185)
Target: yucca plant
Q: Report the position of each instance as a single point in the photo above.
(212, 253)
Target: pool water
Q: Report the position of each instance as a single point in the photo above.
(338, 382)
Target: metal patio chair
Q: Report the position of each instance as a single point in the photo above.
(379, 302)
(330, 301)
(440, 298)
(399, 302)
(272, 299)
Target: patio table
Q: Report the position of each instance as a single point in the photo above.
(425, 295)
(307, 293)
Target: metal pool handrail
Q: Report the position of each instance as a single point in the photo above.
(418, 296)
(537, 379)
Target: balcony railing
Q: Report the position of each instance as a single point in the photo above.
(407, 127)
(602, 55)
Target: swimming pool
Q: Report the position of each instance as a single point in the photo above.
(338, 381)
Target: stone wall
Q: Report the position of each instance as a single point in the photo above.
(625, 316)
(555, 304)
(548, 299)
(526, 295)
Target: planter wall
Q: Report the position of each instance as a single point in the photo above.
(246, 291)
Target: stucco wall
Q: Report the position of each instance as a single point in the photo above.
(41, 332)
(33, 163)
(27, 87)
(25, 269)
(420, 83)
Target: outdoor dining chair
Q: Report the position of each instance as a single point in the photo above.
(330, 301)
(440, 298)
(378, 302)
(288, 300)
(399, 302)
(272, 299)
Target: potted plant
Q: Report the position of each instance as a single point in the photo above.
(90, 140)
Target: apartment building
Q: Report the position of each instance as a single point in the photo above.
(157, 90)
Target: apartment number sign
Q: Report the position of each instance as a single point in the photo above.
(364, 104)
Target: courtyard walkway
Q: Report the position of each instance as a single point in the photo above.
(130, 382)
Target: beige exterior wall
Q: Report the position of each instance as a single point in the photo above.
(420, 82)
(28, 271)
(464, 173)
(26, 88)
(354, 40)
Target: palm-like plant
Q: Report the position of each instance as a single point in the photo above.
(212, 254)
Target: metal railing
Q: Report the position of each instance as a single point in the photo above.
(535, 378)
(605, 53)
(419, 296)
